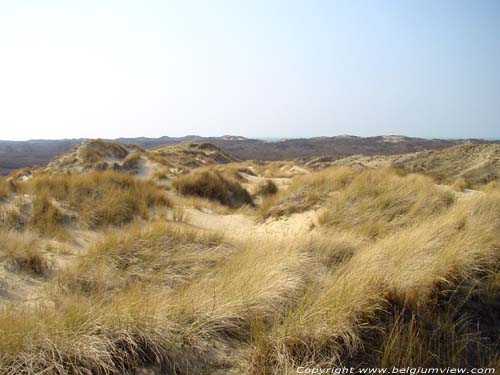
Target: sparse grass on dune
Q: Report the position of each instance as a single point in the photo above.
(277, 169)
(96, 150)
(491, 187)
(190, 201)
(307, 191)
(132, 162)
(15, 217)
(212, 185)
(99, 198)
(373, 202)
(22, 251)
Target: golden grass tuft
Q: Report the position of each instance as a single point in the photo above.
(4, 188)
(47, 218)
(212, 185)
(100, 198)
(23, 252)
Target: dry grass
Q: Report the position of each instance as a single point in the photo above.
(421, 290)
(96, 150)
(158, 256)
(378, 202)
(4, 188)
(278, 169)
(17, 215)
(475, 164)
(132, 162)
(179, 215)
(114, 313)
(429, 273)
(212, 185)
(97, 198)
(47, 218)
(373, 202)
(23, 252)
(266, 188)
(82, 336)
(306, 192)
(190, 201)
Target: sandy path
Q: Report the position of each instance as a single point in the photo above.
(242, 226)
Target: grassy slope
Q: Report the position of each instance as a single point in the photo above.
(399, 273)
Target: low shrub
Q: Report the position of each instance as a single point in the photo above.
(212, 185)
(132, 162)
(267, 188)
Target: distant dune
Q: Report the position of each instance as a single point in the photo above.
(19, 154)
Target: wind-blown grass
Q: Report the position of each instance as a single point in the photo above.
(428, 272)
(98, 198)
(420, 290)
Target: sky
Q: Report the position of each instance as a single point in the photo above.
(256, 68)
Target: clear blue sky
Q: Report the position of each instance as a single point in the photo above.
(253, 68)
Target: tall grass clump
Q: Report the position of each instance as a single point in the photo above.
(47, 218)
(17, 215)
(212, 185)
(4, 188)
(100, 198)
(22, 251)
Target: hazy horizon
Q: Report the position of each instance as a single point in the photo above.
(263, 69)
(261, 138)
